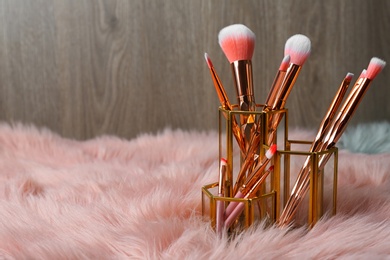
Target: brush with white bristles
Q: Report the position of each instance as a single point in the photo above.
(298, 47)
(238, 42)
(319, 142)
(334, 133)
(272, 95)
(356, 95)
(244, 188)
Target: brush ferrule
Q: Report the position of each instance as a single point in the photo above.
(287, 85)
(243, 80)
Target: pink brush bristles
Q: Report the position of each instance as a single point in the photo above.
(237, 42)
(376, 65)
(223, 161)
(349, 76)
(298, 47)
(285, 63)
(271, 151)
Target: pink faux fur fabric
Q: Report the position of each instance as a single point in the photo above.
(110, 198)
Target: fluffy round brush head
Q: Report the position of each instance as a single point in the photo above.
(376, 65)
(237, 42)
(298, 47)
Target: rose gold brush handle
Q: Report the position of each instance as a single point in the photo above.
(249, 160)
(252, 178)
(331, 139)
(332, 110)
(239, 206)
(243, 80)
(281, 88)
(278, 80)
(224, 101)
(280, 100)
(319, 142)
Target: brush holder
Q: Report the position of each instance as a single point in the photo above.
(234, 140)
(266, 134)
(320, 197)
(258, 208)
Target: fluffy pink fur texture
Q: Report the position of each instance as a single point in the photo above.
(110, 198)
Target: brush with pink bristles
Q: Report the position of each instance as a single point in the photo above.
(225, 103)
(252, 193)
(360, 88)
(244, 188)
(334, 133)
(277, 81)
(298, 47)
(238, 42)
(297, 50)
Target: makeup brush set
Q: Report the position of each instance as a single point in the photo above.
(253, 189)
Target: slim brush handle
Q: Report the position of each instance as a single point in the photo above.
(220, 207)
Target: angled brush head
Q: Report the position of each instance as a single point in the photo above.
(285, 62)
(271, 151)
(208, 60)
(349, 76)
(223, 161)
(376, 65)
(298, 47)
(237, 42)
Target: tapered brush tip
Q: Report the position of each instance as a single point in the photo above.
(298, 47)
(349, 76)
(285, 63)
(208, 60)
(271, 151)
(223, 161)
(237, 42)
(374, 68)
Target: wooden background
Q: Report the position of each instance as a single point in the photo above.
(124, 67)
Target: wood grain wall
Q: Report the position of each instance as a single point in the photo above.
(85, 68)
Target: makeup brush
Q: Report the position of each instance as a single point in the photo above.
(225, 103)
(254, 142)
(238, 42)
(252, 178)
(298, 47)
(318, 143)
(332, 110)
(334, 133)
(251, 194)
(375, 66)
(277, 81)
(220, 207)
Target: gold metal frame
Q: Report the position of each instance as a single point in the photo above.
(209, 202)
(316, 191)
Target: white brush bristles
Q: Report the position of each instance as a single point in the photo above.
(271, 151)
(237, 42)
(298, 47)
(376, 65)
